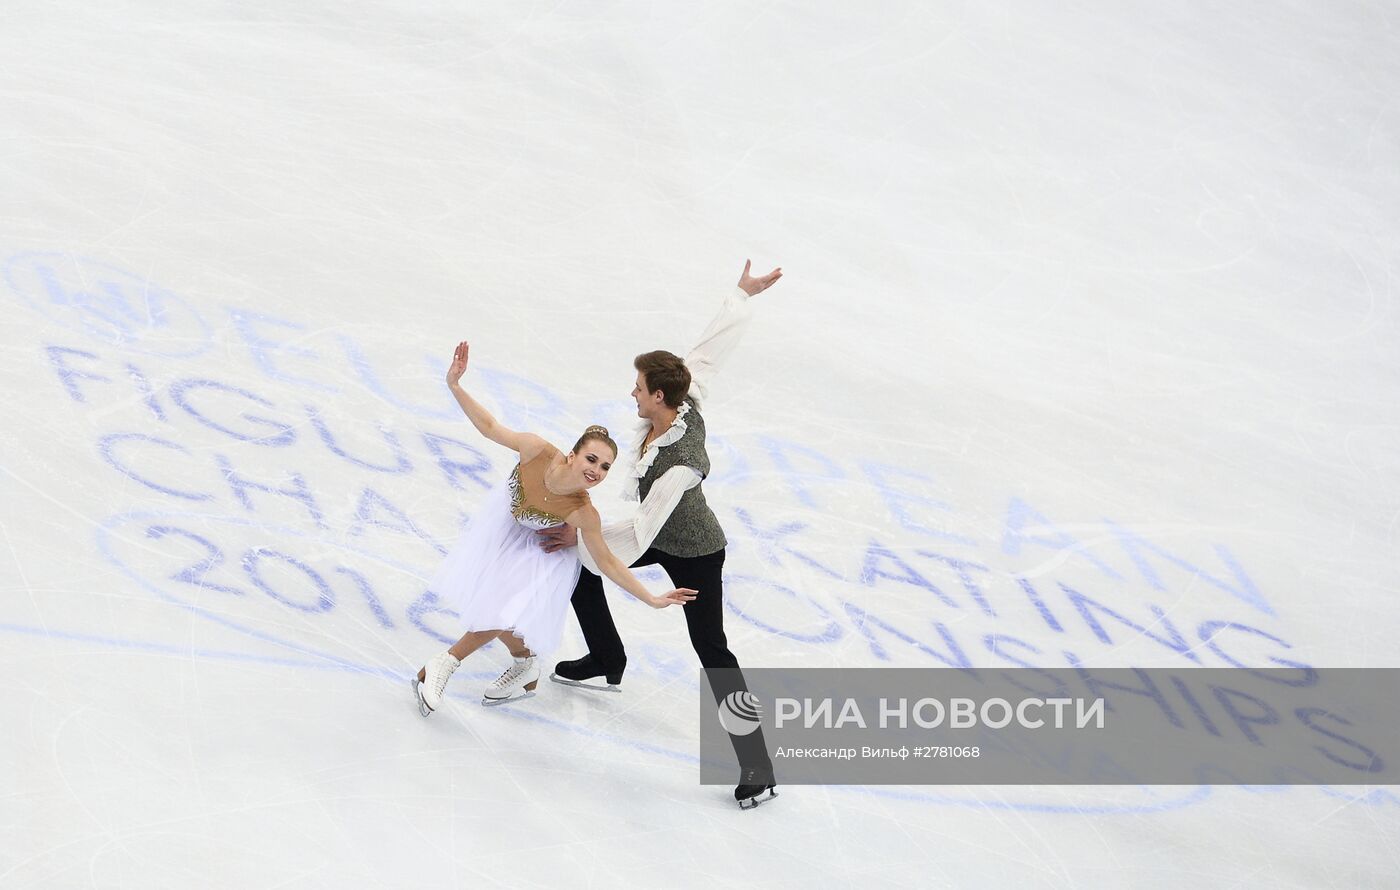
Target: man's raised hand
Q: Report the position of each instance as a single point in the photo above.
(754, 286)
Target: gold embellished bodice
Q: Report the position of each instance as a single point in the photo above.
(531, 503)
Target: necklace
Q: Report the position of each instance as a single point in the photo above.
(547, 490)
(653, 434)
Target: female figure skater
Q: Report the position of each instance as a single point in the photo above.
(503, 585)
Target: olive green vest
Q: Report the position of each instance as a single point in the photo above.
(692, 529)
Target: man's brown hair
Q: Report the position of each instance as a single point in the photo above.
(667, 372)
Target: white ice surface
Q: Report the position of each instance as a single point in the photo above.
(1056, 274)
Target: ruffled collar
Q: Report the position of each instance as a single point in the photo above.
(639, 469)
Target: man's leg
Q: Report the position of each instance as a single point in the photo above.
(605, 652)
(704, 619)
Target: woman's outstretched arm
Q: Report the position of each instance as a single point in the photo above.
(591, 527)
(483, 420)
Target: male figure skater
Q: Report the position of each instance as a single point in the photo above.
(673, 527)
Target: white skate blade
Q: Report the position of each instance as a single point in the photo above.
(582, 684)
(418, 693)
(495, 702)
(752, 803)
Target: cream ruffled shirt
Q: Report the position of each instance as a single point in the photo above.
(630, 538)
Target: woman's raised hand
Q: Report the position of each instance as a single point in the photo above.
(678, 597)
(459, 363)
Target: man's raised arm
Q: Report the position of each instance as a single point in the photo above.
(725, 331)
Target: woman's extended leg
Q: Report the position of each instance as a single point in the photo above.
(472, 641)
(469, 643)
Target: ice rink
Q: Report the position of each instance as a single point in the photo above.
(1088, 308)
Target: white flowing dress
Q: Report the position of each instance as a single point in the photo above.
(498, 577)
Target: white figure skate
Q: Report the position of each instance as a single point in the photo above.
(517, 682)
(430, 685)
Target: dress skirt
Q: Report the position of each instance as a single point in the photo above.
(498, 577)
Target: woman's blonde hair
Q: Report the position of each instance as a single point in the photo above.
(596, 433)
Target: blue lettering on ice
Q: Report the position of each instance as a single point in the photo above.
(456, 470)
(1210, 633)
(1310, 718)
(430, 604)
(69, 376)
(961, 568)
(997, 645)
(107, 445)
(266, 353)
(1148, 689)
(722, 451)
(1242, 587)
(366, 591)
(826, 468)
(900, 497)
(143, 386)
(540, 409)
(1196, 707)
(197, 573)
(829, 634)
(867, 623)
(1089, 608)
(372, 505)
(253, 567)
(771, 541)
(271, 432)
(296, 490)
(1021, 518)
(1247, 711)
(400, 464)
(1034, 596)
(107, 303)
(355, 354)
(878, 559)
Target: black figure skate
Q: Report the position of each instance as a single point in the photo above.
(580, 670)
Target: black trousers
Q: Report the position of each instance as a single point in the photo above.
(704, 620)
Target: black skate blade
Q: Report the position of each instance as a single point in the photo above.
(752, 803)
(593, 687)
(497, 702)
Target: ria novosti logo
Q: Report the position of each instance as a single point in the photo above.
(740, 713)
